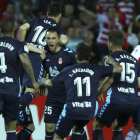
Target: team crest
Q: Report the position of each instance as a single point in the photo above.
(60, 61)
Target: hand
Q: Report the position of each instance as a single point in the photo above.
(43, 54)
(81, 7)
(101, 98)
(43, 80)
(109, 60)
(36, 88)
(42, 90)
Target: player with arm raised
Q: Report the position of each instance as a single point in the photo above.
(34, 32)
(11, 52)
(81, 81)
(122, 97)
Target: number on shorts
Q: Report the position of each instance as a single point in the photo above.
(48, 110)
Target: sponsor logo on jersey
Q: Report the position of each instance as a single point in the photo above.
(6, 79)
(60, 61)
(82, 105)
(26, 49)
(53, 71)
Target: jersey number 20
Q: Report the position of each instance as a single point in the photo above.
(79, 81)
(3, 67)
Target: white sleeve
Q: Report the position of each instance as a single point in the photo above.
(136, 52)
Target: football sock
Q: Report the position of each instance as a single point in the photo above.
(76, 136)
(24, 134)
(98, 134)
(84, 135)
(117, 135)
(25, 99)
(131, 135)
(49, 135)
(11, 135)
(138, 136)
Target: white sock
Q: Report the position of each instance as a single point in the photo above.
(131, 135)
(138, 136)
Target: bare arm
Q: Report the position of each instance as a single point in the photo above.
(23, 31)
(117, 67)
(63, 40)
(105, 85)
(28, 68)
(83, 9)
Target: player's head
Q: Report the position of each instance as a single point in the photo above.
(52, 39)
(83, 52)
(115, 40)
(7, 27)
(54, 11)
(111, 11)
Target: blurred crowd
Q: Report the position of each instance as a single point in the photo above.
(85, 21)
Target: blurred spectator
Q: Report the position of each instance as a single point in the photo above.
(138, 35)
(65, 23)
(128, 8)
(73, 40)
(104, 4)
(79, 33)
(89, 41)
(106, 22)
(76, 23)
(10, 13)
(26, 11)
(137, 27)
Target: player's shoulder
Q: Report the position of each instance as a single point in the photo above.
(68, 51)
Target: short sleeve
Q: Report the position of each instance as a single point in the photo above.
(105, 70)
(22, 48)
(59, 78)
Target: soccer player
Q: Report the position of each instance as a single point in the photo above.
(11, 52)
(122, 97)
(81, 81)
(34, 32)
(135, 130)
(57, 59)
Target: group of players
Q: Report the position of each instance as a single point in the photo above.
(73, 86)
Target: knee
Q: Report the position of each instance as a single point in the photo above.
(50, 127)
(30, 127)
(115, 125)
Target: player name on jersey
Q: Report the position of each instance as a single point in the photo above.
(127, 57)
(7, 45)
(126, 90)
(6, 79)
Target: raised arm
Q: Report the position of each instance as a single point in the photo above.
(105, 85)
(29, 70)
(63, 40)
(117, 67)
(83, 9)
(23, 31)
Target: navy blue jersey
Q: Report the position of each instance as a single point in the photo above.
(38, 27)
(81, 81)
(10, 49)
(124, 87)
(54, 63)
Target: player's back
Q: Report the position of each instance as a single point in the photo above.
(9, 55)
(124, 87)
(81, 82)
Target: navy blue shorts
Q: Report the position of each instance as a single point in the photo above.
(9, 107)
(136, 115)
(37, 68)
(52, 111)
(109, 112)
(64, 125)
(25, 117)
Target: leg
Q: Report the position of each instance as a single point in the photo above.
(117, 131)
(10, 128)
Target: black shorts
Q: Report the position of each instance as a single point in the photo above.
(64, 125)
(25, 117)
(109, 112)
(136, 115)
(52, 111)
(37, 68)
(9, 107)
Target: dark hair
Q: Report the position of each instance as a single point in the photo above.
(116, 38)
(54, 9)
(83, 52)
(7, 25)
(52, 30)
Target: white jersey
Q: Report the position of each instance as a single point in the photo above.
(106, 25)
(136, 54)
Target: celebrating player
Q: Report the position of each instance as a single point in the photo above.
(34, 32)
(122, 97)
(81, 81)
(11, 52)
